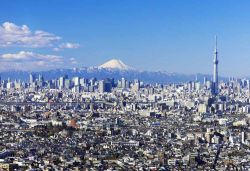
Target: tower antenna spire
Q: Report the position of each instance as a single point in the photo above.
(216, 43)
(215, 73)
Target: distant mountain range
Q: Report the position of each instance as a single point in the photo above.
(112, 69)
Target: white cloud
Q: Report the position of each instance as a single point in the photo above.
(12, 35)
(24, 60)
(67, 46)
(29, 56)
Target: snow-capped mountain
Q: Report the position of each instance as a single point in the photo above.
(112, 69)
(115, 64)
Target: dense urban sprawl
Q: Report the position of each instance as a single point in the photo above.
(89, 124)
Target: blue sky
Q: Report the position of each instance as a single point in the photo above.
(174, 36)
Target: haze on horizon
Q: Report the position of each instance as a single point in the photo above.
(173, 36)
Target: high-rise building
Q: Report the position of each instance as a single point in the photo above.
(101, 86)
(105, 86)
(124, 83)
(205, 80)
(61, 82)
(215, 73)
(76, 81)
(32, 78)
(136, 86)
(40, 78)
(92, 81)
(67, 83)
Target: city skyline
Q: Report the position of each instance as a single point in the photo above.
(124, 85)
(154, 36)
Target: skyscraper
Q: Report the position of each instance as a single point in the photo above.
(215, 74)
(61, 82)
(32, 78)
(105, 86)
(124, 83)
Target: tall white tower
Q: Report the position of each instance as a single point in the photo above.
(215, 74)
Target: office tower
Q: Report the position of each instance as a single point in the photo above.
(189, 86)
(9, 85)
(40, 78)
(192, 85)
(61, 82)
(4, 84)
(108, 86)
(105, 86)
(76, 81)
(124, 83)
(101, 86)
(119, 84)
(92, 81)
(209, 85)
(67, 83)
(248, 85)
(40, 82)
(197, 86)
(17, 84)
(32, 78)
(215, 74)
(205, 80)
(136, 86)
(83, 82)
(127, 84)
(50, 84)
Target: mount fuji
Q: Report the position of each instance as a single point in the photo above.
(115, 64)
